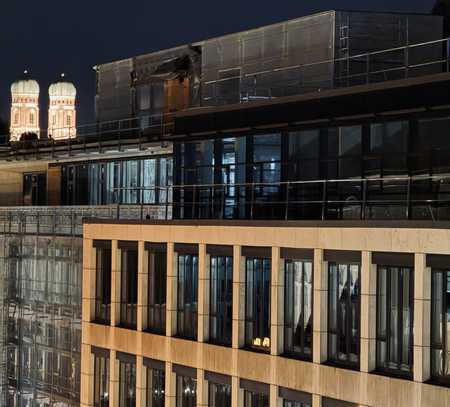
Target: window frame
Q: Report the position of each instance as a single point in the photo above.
(157, 290)
(128, 310)
(102, 312)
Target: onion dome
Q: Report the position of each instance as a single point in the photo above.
(62, 88)
(25, 86)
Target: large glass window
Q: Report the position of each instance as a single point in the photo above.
(440, 326)
(187, 296)
(292, 398)
(257, 303)
(219, 392)
(128, 284)
(221, 295)
(103, 282)
(156, 383)
(101, 378)
(298, 308)
(254, 399)
(395, 294)
(157, 277)
(127, 380)
(186, 391)
(343, 314)
(327, 402)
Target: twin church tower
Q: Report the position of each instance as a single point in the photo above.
(25, 109)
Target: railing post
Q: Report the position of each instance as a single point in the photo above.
(408, 199)
(286, 209)
(252, 201)
(324, 199)
(364, 198)
(194, 191)
(367, 68)
(406, 61)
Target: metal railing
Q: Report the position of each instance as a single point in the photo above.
(403, 62)
(388, 198)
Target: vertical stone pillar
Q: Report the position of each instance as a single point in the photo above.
(202, 389)
(422, 318)
(87, 376)
(237, 394)
(171, 386)
(115, 284)
(274, 399)
(172, 272)
(368, 312)
(142, 287)
(238, 340)
(316, 400)
(141, 382)
(113, 380)
(89, 275)
(277, 303)
(203, 293)
(320, 318)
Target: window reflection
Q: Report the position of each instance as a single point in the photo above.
(343, 314)
(187, 296)
(101, 379)
(155, 387)
(186, 391)
(127, 383)
(253, 399)
(157, 286)
(103, 285)
(219, 395)
(128, 287)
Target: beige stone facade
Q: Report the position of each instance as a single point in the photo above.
(364, 387)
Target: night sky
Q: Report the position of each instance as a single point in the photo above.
(48, 37)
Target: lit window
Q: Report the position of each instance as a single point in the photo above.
(156, 378)
(101, 377)
(69, 120)
(186, 386)
(31, 118)
(16, 118)
(54, 120)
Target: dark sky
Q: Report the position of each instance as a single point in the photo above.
(49, 37)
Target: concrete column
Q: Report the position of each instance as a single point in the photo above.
(142, 287)
(237, 394)
(320, 317)
(316, 400)
(141, 382)
(89, 275)
(277, 303)
(171, 309)
(274, 399)
(113, 380)
(202, 389)
(368, 312)
(87, 376)
(171, 386)
(115, 284)
(422, 318)
(203, 293)
(238, 339)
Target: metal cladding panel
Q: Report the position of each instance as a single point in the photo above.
(302, 41)
(114, 99)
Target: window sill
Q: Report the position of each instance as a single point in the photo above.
(436, 381)
(154, 332)
(101, 322)
(392, 373)
(295, 356)
(341, 365)
(218, 343)
(256, 350)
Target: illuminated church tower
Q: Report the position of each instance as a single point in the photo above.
(24, 108)
(62, 110)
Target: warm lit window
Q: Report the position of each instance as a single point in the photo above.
(101, 377)
(257, 303)
(127, 379)
(219, 390)
(31, 118)
(255, 394)
(16, 118)
(156, 383)
(69, 120)
(186, 386)
(54, 120)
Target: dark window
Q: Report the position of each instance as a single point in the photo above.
(298, 306)
(395, 320)
(35, 189)
(127, 383)
(219, 395)
(156, 384)
(440, 327)
(257, 309)
(221, 295)
(103, 285)
(326, 402)
(128, 287)
(187, 296)
(292, 403)
(186, 391)
(292, 398)
(101, 380)
(253, 399)
(343, 314)
(157, 277)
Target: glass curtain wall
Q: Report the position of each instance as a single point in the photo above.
(221, 300)
(344, 314)
(187, 296)
(127, 380)
(157, 289)
(298, 308)
(128, 284)
(257, 300)
(395, 298)
(440, 326)
(103, 282)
